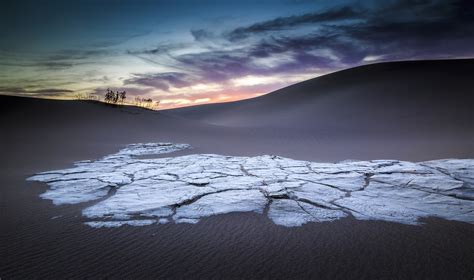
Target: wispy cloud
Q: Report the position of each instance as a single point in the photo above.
(45, 92)
(282, 23)
(162, 81)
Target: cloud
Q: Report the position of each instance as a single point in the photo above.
(46, 92)
(280, 23)
(23, 90)
(59, 60)
(162, 48)
(426, 29)
(162, 81)
(201, 34)
(51, 90)
(77, 54)
(54, 65)
(49, 65)
(399, 30)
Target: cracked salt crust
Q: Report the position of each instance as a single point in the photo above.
(184, 189)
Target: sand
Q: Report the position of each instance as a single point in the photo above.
(40, 240)
(416, 110)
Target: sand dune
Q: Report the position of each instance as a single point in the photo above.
(416, 111)
(419, 108)
(410, 111)
(414, 96)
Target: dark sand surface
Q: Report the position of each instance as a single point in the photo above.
(39, 135)
(405, 110)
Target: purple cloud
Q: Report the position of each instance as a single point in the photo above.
(161, 81)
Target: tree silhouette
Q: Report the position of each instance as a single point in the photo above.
(122, 95)
(113, 97)
(146, 103)
(109, 96)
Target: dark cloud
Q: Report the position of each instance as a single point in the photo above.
(428, 29)
(23, 90)
(417, 23)
(280, 23)
(201, 34)
(76, 54)
(161, 81)
(220, 66)
(54, 65)
(51, 90)
(68, 58)
(60, 60)
(163, 48)
(12, 90)
(217, 66)
(49, 65)
(400, 30)
(344, 50)
(47, 92)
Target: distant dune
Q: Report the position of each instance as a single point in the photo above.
(418, 110)
(414, 103)
(397, 97)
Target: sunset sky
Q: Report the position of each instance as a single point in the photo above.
(193, 52)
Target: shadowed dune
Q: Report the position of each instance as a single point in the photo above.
(419, 110)
(412, 110)
(414, 97)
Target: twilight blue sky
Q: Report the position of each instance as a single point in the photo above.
(193, 52)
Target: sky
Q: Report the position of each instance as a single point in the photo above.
(185, 53)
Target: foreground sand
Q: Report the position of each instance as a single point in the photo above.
(40, 240)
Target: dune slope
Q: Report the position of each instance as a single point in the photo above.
(412, 98)
(416, 111)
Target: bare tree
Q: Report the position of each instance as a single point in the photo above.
(122, 96)
(115, 96)
(109, 96)
(146, 103)
(138, 101)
